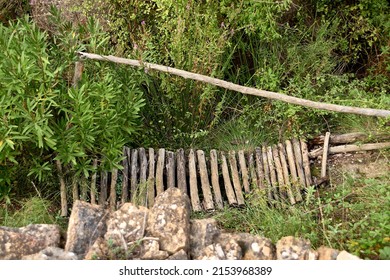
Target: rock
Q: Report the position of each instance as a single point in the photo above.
(181, 255)
(326, 253)
(52, 253)
(255, 247)
(202, 234)
(311, 255)
(212, 252)
(127, 224)
(291, 248)
(344, 255)
(169, 220)
(150, 250)
(86, 223)
(18, 242)
(98, 251)
(231, 249)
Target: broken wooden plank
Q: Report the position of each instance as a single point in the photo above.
(125, 174)
(215, 179)
(306, 163)
(236, 178)
(325, 155)
(228, 184)
(170, 169)
(244, 171)
(151, 191)
(204, 180)
(181, 171)
(286, 175)
(194, 195)
(299, 163)
(114, 177)
(160, 171)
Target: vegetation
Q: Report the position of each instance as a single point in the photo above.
(329, 51)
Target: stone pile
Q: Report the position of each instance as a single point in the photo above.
(163, 232)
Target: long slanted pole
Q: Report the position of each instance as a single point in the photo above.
(238, 88)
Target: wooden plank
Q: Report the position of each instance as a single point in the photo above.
(293, 171)
(215, 179)
(93, 181)
(306, 162)
(252, 170)
(160, 171)
(143, 187)
(236, 178)
(299, 163)
(170, 169)
(349, 138)
(260, 168)
(350, 148)
(325, 155)
(75, 188)
(228, 184)
(244, 171)
(267, 174)
(279, 173)
(134, 175)
(272, 173)
(204, 180)
(194, 195)
(103, 187)
(151, 191)
(181, 171)
(125, 174)
(114, 177)
(64, 200)
(286, 176)
(84, 187)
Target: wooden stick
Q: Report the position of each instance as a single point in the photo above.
(195, 202)
(160, 171)
(242, 89)
(215, 179)
(93, 181)
(151, 192)
(170, 169)
(252, 170)
(236, 178)
(306, 163)
(267, 174)
(350, 148)
(133, 175)
(244, 171)
(181, 171)
(143, 187)
(114, 177)
(228, 184)
(293, 170)
(125, 172)
(286, 176)
(260, 168)
(272, 173)
(64, 201)
(299, 162)
(325, 155)
(204, 180)
(84, 187)
(279, 172)
(103, 187)
(349, 138)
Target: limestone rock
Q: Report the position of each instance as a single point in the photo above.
(51, 253)
(311, 255)
(202, 234)
(231, 249)
(98, 251)
(18, 242)
(291, 248)
(326, 253)
(127, 224)
(212, 252)
(86, 223)
(181, 255)
(150, 250)
(255, 247)
(344, 255)
(169, 220)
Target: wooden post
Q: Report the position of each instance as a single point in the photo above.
(133, 175)
(260, 168)
(283, 161)
(244, 171)
(64, 201)
(160, 171)
(75, 188)
(215, 179)
(325, 155)
(151, 192)
(279, 172)
(143, 188)
(267, 174)
(114, 177)
(204, 180)
(103, 188)
(125, 172)
(84, 187)
(171, 169)
(93, 181)
(193, 182)
(293, 170)
(181, 171)
(306, 163)
(299, 162)
(272, 173)
(252, 170)
(228, 184)
(236, 178)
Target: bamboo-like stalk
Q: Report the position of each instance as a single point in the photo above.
(238, 88)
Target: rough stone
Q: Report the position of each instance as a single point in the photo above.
(202, 234)
(326, 253)
(231, 249)
(255, 247)
(345, 256)
(169, 220)
(212, 252)
(311, 255)
(181, 255)
(291, 248)
(18, 242)
(98, 251)
(51, 253)
(150, 250)
(86, 223)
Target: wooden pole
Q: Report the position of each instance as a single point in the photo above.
(228, 184)
(306, 163)
(252, 170)
(299, 162)
(125, 173)
(283, 161)
(170, 169)
(236, 178)
(215, 179)
(272, 173)
(103, 188)
(349, 138)
(151, 191)
(143, 187)
(244, 170)
(93, 181)
(114, 177)
(267, 174)
(204, 180)
(194, 195)
(133, 175)
(181, 171)
(325, 155)
(293, 170)
(350, 148)
(259, 168)
(238, 88)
